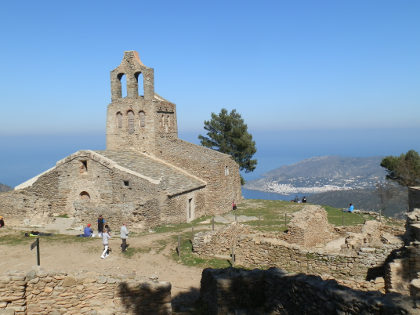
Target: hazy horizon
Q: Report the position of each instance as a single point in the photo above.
(25, 156)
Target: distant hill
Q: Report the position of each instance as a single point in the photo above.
(337, 181)
(393, 205)
(322, 174)
(4, 187)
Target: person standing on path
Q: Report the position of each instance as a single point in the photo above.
(101, 223)
(124, 236)
(105, 242)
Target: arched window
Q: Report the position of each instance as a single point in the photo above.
(142, 117)
(130, 121)
(226, 170)
(140, 87)
(123, 82)
(84, 195)
(119, 120)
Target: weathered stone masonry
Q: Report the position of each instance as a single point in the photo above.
(235, 291)
(41, 292)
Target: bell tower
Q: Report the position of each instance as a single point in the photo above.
(137, 120)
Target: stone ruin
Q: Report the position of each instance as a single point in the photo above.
(403, 271)
(309, 227)
(354, 256)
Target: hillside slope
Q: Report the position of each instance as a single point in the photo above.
(322, 174)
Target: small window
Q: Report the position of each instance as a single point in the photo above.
(142, 117)
(83, 167)
(130, 122)
(226, 170)
(84, 195)
(126, 183)
(119, 120)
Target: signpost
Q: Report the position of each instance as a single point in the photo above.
(33, 245)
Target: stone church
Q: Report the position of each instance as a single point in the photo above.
(147, 176)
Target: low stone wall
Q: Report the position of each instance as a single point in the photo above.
(235, 291)
(252, 250)
(40, 292)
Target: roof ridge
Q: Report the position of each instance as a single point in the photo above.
(174, 167)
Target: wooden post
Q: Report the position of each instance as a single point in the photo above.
(233, 255)
(285, 220)
(179, 246)
(38, 257)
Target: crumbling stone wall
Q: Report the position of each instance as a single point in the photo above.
(40, 292)
(19, 206)
(309, 227)
(403, 272)
(256, 249)
(235, 291)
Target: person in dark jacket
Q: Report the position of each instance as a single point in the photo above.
(101, 223)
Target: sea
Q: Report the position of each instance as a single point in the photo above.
(256, 194)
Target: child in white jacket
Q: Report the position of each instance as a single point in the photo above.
(105, 241)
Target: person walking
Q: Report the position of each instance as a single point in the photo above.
(105, 241)
(101, 223)
(124, 236)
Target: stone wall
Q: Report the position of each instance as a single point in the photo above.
(235, 291)
(403, 271)
(309, 227)
(253, 249)
(219, 171)
(40, 292)
(22, 206)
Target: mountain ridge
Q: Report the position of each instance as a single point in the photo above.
(322, 174)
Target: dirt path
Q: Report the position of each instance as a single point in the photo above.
(152, 258)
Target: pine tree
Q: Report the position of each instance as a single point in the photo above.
(227, 133)
(404, 169)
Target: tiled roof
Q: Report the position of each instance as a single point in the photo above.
(171, 179)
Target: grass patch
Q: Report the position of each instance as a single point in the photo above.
(340, 218)
(188, 258)
(161, 244)
(15, 239)
(64, 215)
(20, 238)
(131, 251)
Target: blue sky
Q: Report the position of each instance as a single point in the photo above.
(296, 70)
